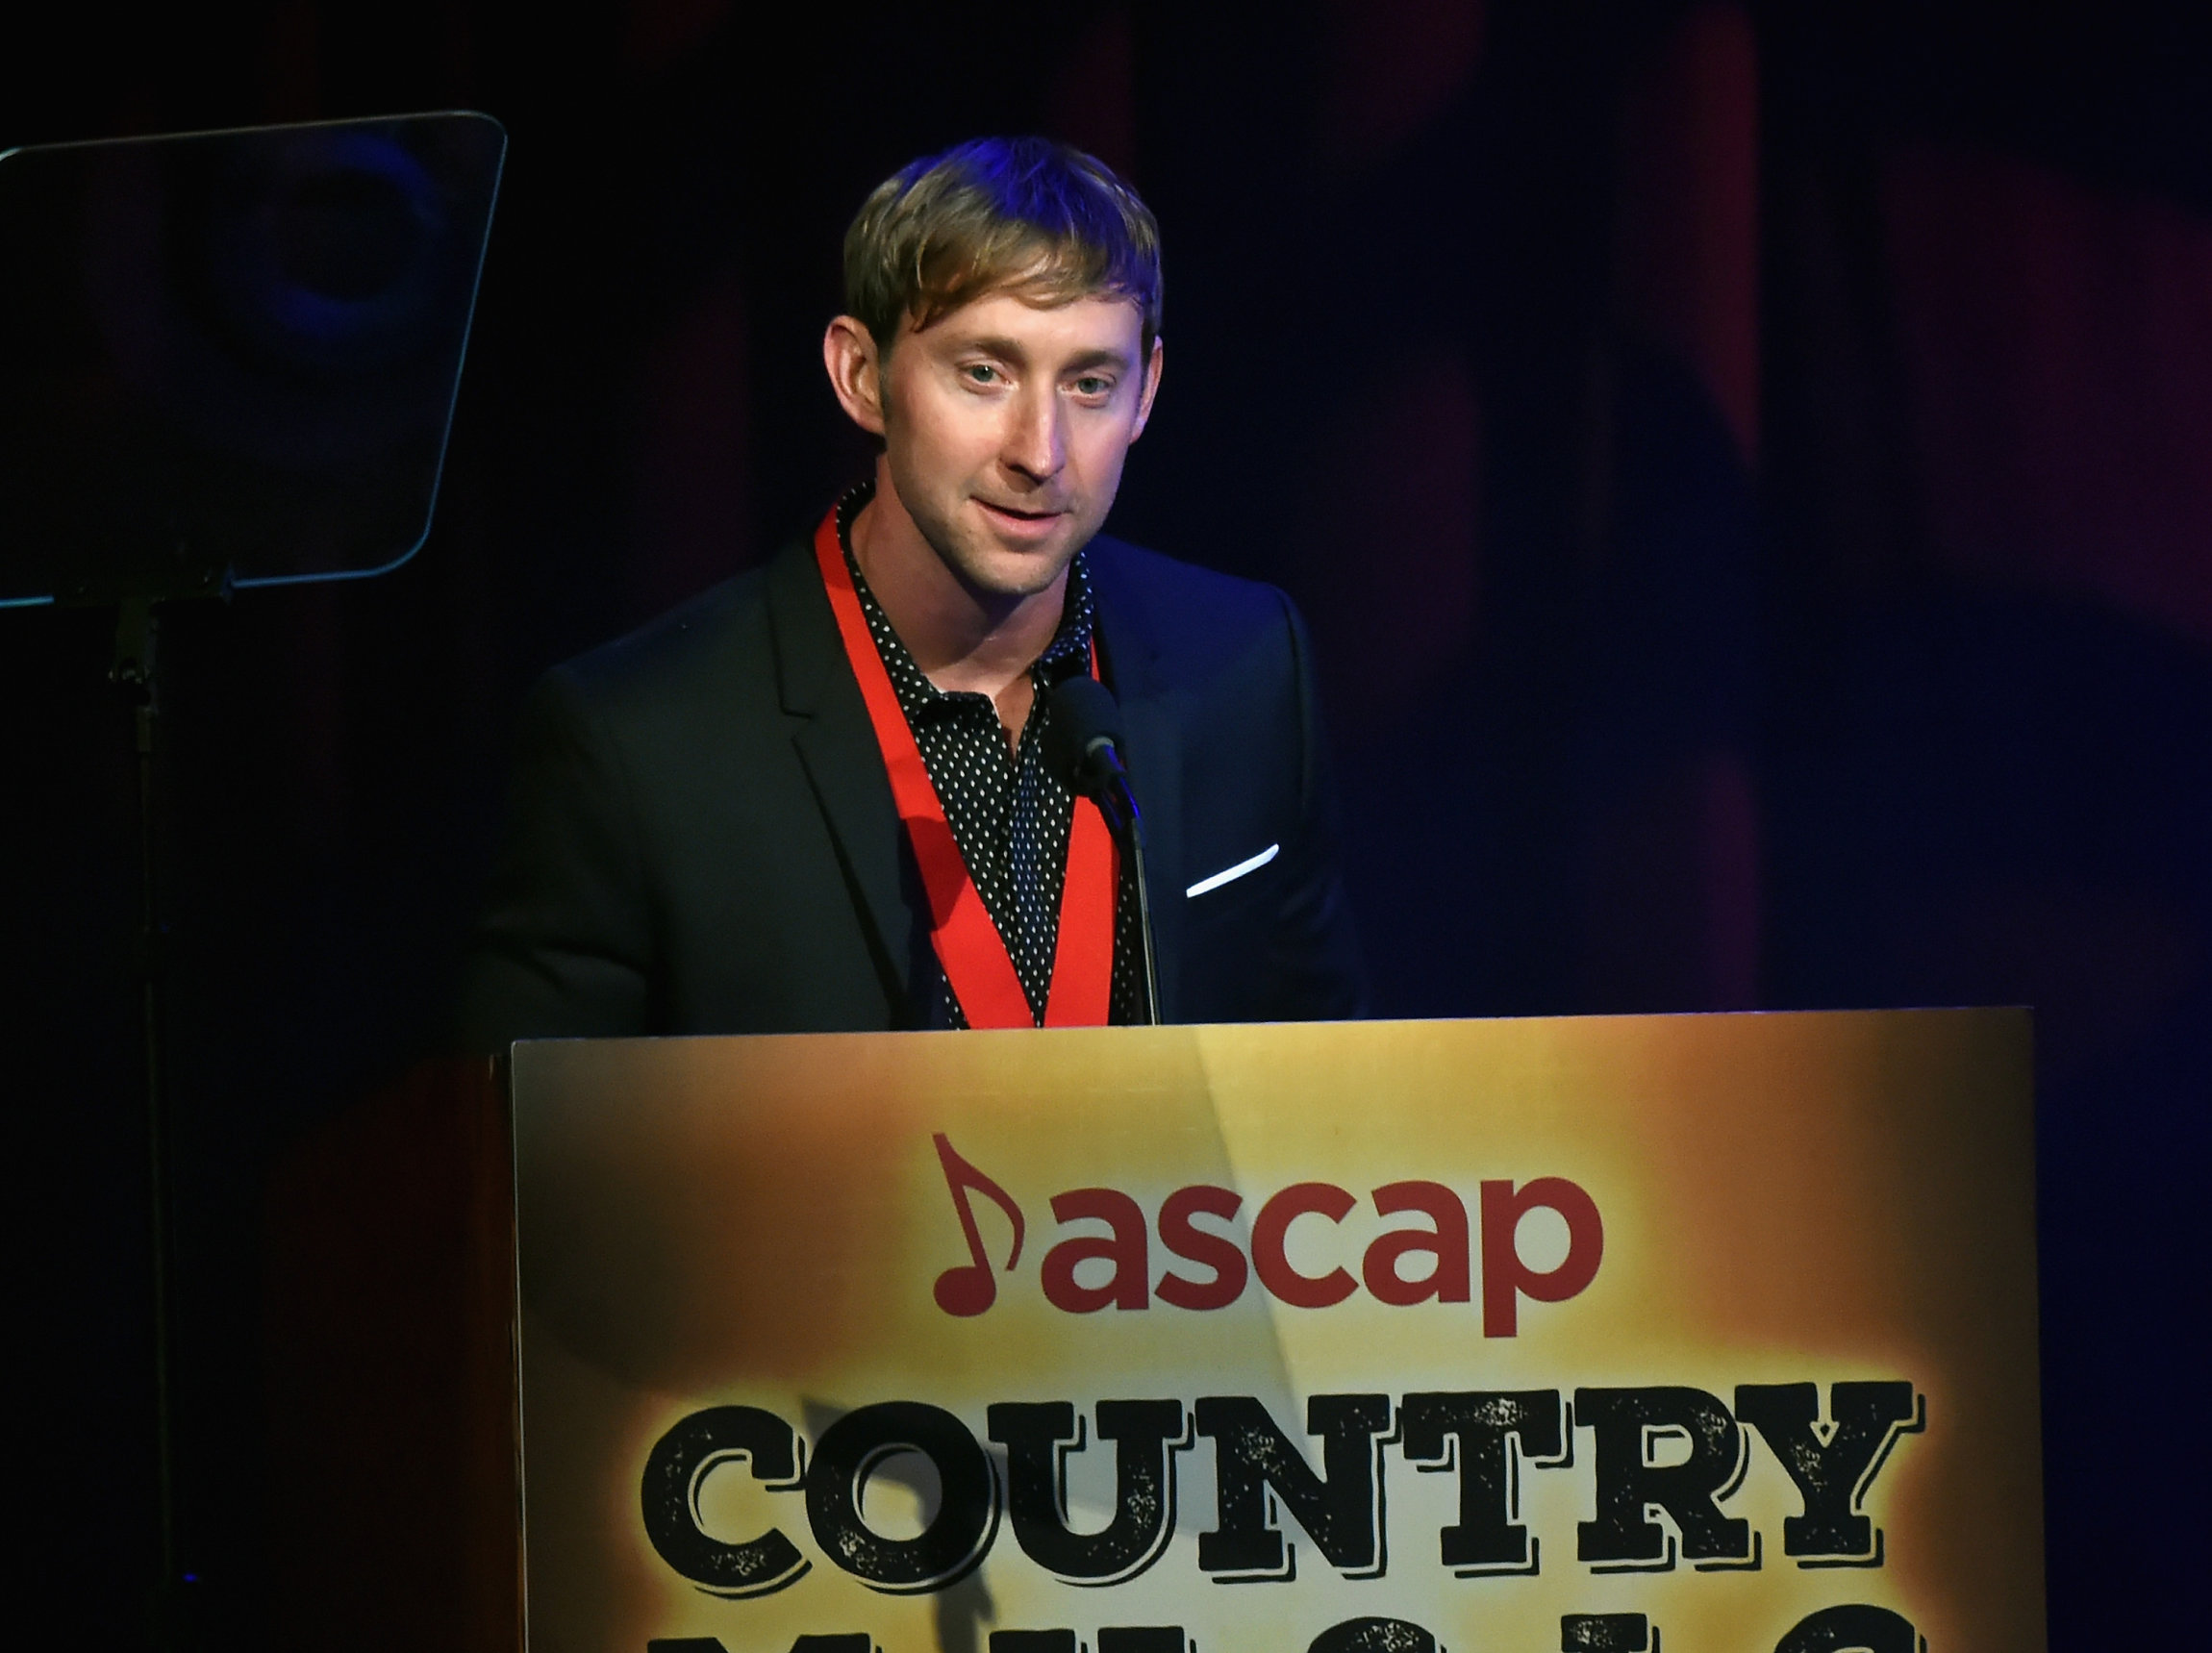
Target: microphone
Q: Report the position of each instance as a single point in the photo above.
(1084, 742)
(1086, 738)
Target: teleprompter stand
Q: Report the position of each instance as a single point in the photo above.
(230, 361)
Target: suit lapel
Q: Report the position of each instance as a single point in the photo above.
(837, 746)
(837, 749)
(1137, 671)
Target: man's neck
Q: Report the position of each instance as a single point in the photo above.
(963, 640)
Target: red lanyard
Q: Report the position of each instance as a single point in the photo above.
(969, 944)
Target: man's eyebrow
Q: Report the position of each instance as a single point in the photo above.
(1005, 349)
(1011, 350)
(1102, 358)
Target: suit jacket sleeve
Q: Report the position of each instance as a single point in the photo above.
(564, 947)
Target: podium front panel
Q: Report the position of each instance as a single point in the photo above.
(1497, 1337)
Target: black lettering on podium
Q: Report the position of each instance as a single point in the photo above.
(1851, 1629)
(668, 1499)
(1374, 1636)
(967, 1512)
(1628, 1423)
(1606, 1633)
(1141, 1639)
(1832, 1476)
(1476, 1433)
(1038, 1437)
(1341, 1509)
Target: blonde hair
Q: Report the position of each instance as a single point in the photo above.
(1024, 215)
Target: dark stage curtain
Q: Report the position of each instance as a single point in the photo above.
(1750, 469)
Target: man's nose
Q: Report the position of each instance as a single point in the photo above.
(1036, 445)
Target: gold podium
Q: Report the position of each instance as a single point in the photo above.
(1497, 1337)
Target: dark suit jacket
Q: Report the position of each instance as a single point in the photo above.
(702, 837)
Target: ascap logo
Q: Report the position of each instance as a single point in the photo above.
(1212, 1268)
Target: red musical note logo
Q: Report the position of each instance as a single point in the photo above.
(970, 1289)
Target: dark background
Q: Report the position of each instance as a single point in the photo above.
(1749, 471)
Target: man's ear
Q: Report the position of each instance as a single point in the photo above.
(855, 372)
(1152, 369)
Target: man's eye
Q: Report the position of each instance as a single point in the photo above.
(1091, 385)
(981, 373)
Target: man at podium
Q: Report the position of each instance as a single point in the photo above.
(830, 793)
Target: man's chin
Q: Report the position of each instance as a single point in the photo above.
(1008, 571)
(1014, 576)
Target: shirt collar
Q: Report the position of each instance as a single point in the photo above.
(1065, 656)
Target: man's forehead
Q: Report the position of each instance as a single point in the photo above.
(1035, 323)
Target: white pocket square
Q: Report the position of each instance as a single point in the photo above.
(1228, 874)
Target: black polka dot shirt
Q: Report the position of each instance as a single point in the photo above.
(1009, 813)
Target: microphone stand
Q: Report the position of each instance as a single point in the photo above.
(135, 674)
(1085, 728)
(1128, 824)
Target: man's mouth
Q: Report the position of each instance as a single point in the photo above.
(1020, 517)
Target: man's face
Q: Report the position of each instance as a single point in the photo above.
(1005, 426)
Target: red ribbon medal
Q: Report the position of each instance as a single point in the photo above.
(969, 944)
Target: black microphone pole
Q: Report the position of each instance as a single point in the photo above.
(1086, 729)
(1133, 830)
